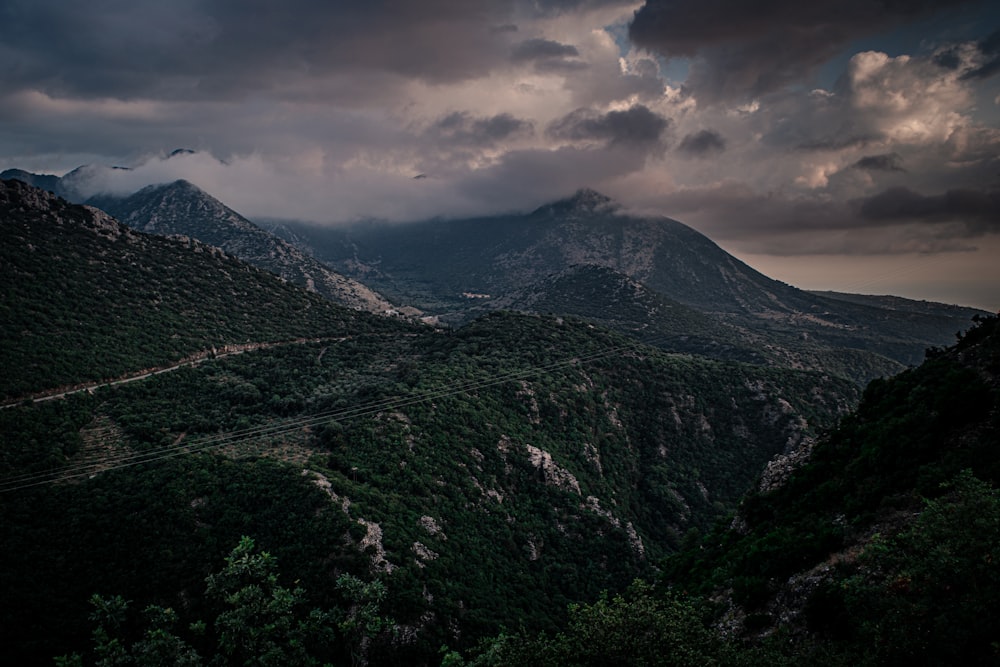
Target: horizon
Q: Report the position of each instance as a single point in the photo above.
(844, 146)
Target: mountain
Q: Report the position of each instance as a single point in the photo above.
(180, 208)
(485, 476)
(459, 268)
(880, 546)
(86, 298)
(453, 271)
(47, 182)
(71, 186)
(613, 300)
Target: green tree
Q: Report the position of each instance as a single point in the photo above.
(928, 595)
(259, 626)
(638, 628)
(362, 621)
(260, 623)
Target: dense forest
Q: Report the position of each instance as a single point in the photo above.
(880, 549)
(503, 480)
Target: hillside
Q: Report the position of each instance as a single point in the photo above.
(877, 547)
(86, 298)
(558, 459)
(881, 548)
(180, 208)
(460, 268)
(484, 477)
(613, 300)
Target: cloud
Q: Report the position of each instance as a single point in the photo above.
(989, 63)
(636, 126)
(702, 143)
(462, 128)
(524, 179)
(879, 100)
(977, 210)
(546, 55)
(741, 50)
(976, 60)
(222, 49)
(781, 224)
(884, 162)
(542, 49)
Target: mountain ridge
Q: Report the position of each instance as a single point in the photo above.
(437, 264)
(450, 271)
(181, 208)
(75, 274)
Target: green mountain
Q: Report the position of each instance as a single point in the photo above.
(881, 546)
(613, 300)
(86, 298)
(459, 268)
(482, 477)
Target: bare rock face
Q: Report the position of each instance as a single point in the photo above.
(555, 474)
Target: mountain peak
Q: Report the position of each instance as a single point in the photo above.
(179, 186)
(183, 184)
(584, 201)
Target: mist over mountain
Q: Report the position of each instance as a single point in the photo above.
(181, 208)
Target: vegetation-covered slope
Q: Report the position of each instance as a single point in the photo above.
(883, 547)
(613, 300)
(85, 298)
(880, 549)
(487, 477)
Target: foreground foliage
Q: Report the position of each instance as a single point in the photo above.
(258, 623)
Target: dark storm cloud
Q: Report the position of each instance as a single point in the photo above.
(553, 7)
(462, 128)
(635, 126)
(524, 179)
(988, 51)
(884, 162)
(782, 224)
(702, 143)
(742, 49)
(538, 49)
(829, 143)
(547, 55)
(194, 49)
(978, 210)
(989, 48)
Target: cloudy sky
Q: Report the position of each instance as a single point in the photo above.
(849, 145)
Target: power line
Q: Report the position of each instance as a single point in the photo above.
(207, 443)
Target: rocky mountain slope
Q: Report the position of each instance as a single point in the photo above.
(180, 208)
(454, 270)
(879, 547)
